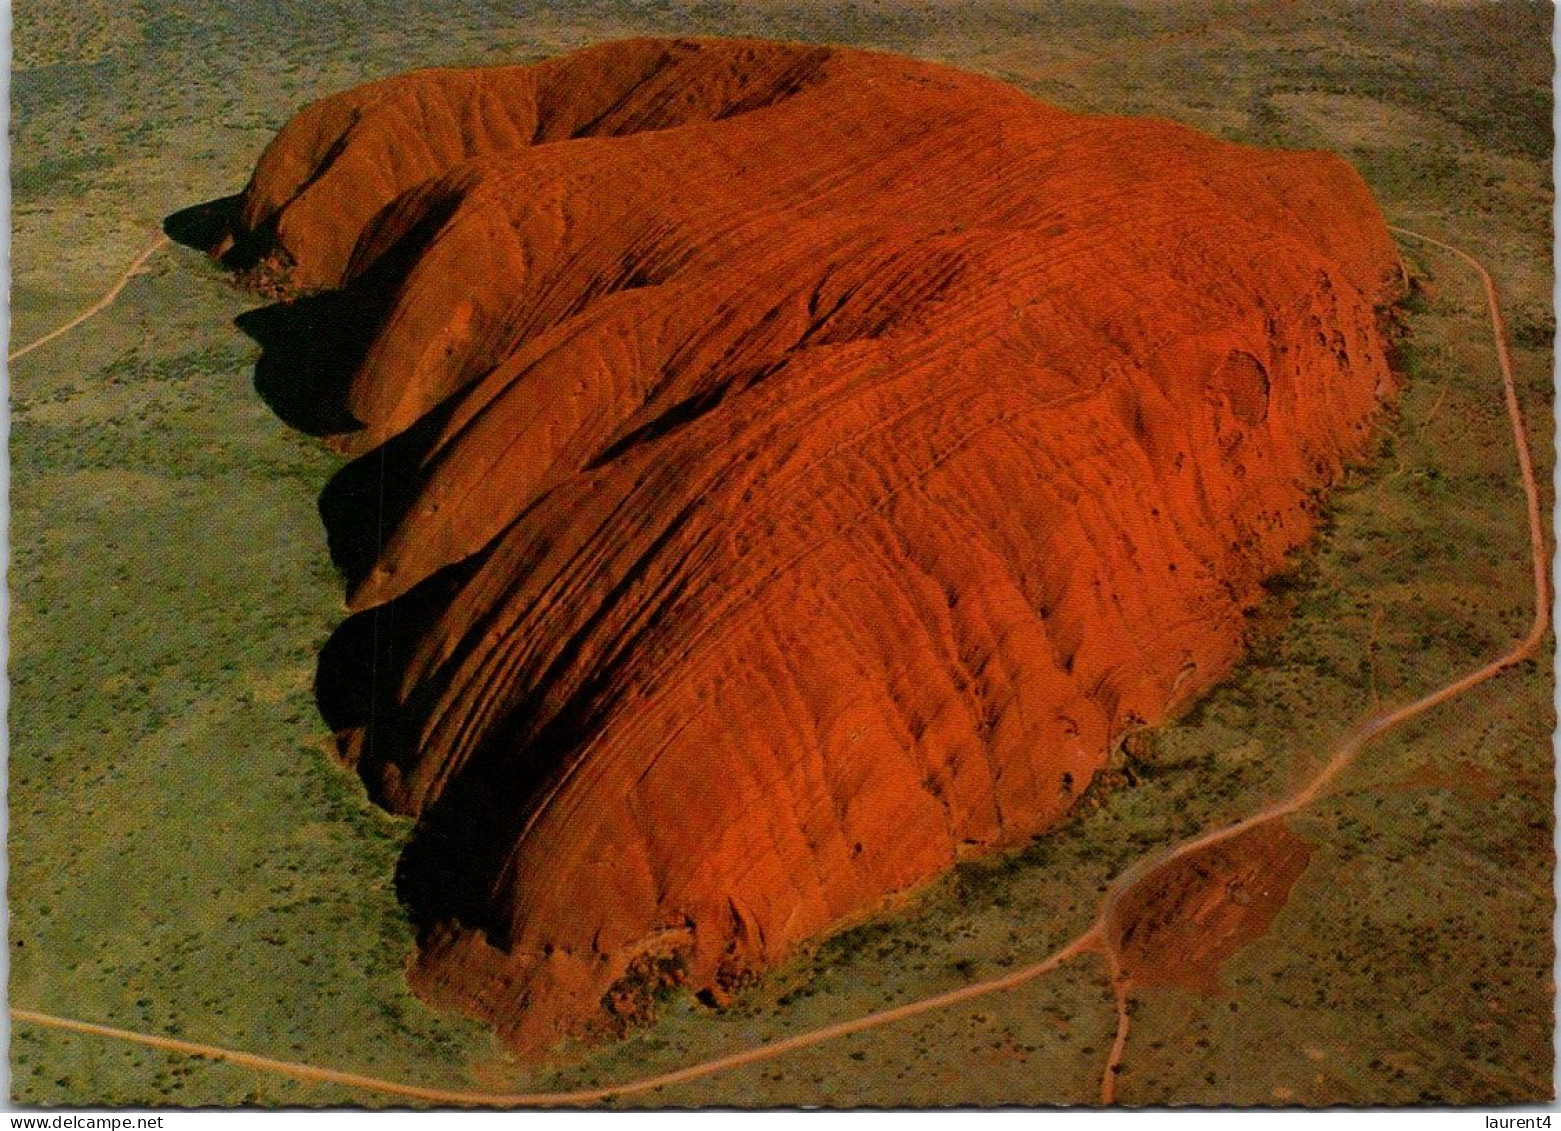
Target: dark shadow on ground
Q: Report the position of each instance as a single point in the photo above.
(204, 226)
(454, 860)
(313, 347)
(214, 227)
(310, 349)
(367, 498)
(361, 665)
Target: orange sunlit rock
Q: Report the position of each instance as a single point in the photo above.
(788, 470)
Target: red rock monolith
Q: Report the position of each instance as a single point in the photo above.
(803, 465)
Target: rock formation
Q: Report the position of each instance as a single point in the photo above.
(782, 470)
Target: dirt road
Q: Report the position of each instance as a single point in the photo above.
(101, 305)
(1348, 748)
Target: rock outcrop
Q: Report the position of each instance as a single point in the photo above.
(782, 471)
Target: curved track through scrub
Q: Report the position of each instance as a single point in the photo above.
(1100, 937)
(1348, 748)
(101, 305)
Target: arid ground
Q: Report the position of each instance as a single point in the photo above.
(188, 860)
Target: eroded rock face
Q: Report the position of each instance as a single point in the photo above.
(787, 470)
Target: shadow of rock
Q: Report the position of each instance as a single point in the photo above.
(205, 227)
(216, 228)
(461, 845)
(366, 499)
(312, 343)
(310, 348)
(465, 841)
(361, 664)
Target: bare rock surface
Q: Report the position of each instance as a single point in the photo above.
(782, 470)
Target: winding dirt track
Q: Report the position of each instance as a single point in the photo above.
(101, 305)
(1348, 748)
(1098, 938)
